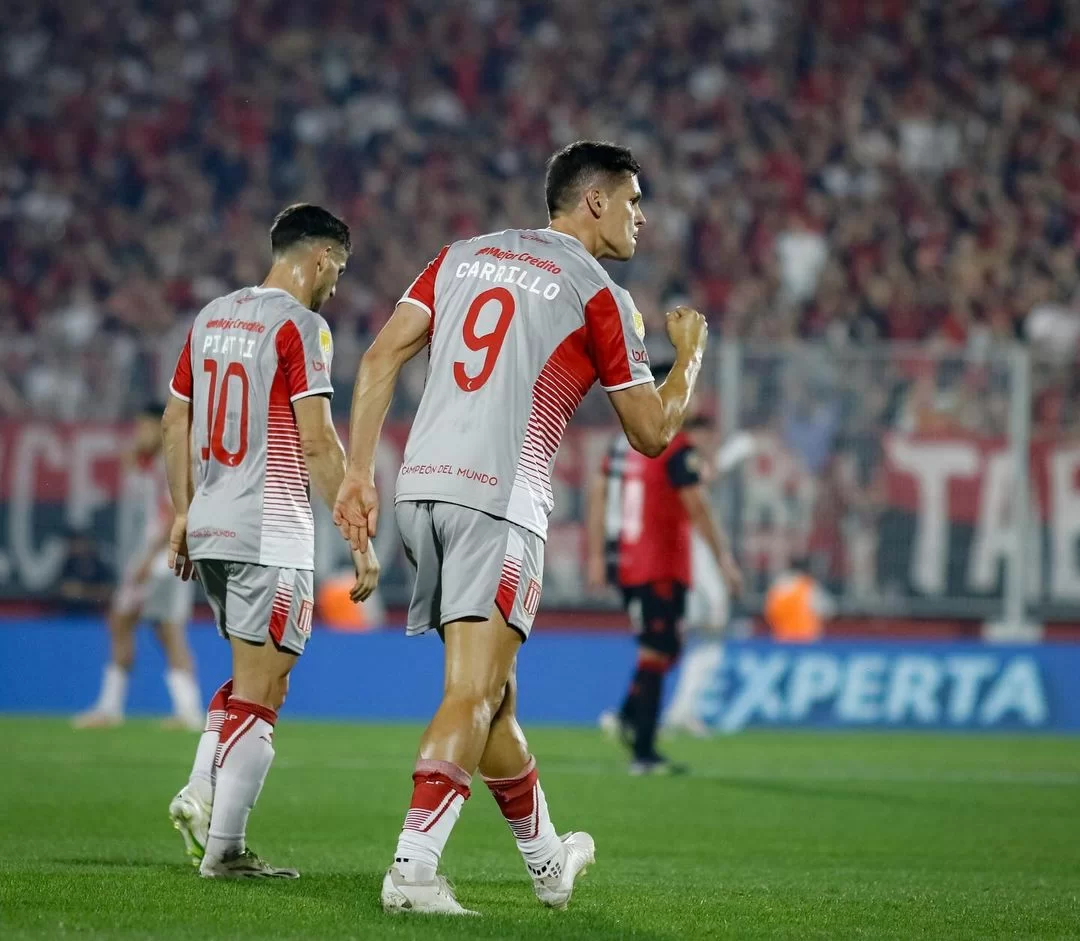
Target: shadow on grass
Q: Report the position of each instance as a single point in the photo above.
(507, 908)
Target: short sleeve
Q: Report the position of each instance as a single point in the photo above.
(181, 385)
(684, 467)
(422, 291)
(617, 340)
(305, 352)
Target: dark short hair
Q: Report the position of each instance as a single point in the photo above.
(569, 170)
(304, 221)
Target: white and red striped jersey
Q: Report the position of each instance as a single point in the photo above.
(248, 357)
(523, 322)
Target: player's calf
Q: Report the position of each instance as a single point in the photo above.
(244, 754)
(553, 863)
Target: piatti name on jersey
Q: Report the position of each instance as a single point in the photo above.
(232, 347)
(509, 274)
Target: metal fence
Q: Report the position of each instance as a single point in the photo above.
(915, 482)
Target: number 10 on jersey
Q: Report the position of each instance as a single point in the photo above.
(215, 418)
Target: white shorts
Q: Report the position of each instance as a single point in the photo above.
(707, 605)
(162, 598)
(257, 603)
(467, 563)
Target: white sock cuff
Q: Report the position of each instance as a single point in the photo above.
(114, 683)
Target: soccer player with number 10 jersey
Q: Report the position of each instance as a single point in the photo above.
(519, 325)
(252, 392)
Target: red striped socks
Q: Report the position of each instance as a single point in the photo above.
(523, 805)
(244, 753)
(440, 789)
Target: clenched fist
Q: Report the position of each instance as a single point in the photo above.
(687, 330)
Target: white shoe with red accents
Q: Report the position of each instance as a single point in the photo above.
(554, 884)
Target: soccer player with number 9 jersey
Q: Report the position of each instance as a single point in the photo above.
(519, 324)
(251, 393)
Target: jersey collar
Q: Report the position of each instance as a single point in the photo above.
(570, 238)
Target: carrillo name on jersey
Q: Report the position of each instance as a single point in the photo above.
(510, 274)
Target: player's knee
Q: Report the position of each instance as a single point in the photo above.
(480, 700)
(652, 658)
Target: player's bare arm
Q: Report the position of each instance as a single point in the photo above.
(176, 445)
(696, 501)
(594, 532)
(651, 416)
(324, 456)
(356, 511)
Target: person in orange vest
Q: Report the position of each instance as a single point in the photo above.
(796, 606)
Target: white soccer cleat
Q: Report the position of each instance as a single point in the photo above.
(689, 724)
(424, 898)
(243, 865)
(609, 724)
(554, 884)
(182, 723)
(191, 816)
(97, 719)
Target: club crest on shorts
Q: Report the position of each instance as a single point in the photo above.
(303, 619)
(532, 598)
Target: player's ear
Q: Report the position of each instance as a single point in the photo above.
(595, 199)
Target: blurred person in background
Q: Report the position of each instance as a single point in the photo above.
(708, 605)
(148, 591)
(796, 606)
(642, 514)
(85, 582)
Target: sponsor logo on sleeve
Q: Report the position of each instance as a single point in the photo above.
(639, 325)
(326, 344)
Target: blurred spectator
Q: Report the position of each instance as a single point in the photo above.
(85, 583)
(824, 169)
(796, 606)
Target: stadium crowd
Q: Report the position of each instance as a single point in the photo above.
(835, 170)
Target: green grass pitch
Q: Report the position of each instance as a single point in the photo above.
(776, 836)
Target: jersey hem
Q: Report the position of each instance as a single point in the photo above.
(627, 385)
(182, 398)
(443, 498)
(412, 300)
(310, 392)
(247, 560)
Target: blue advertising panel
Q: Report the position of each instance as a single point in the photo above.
(896, 685)
(568, 678)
